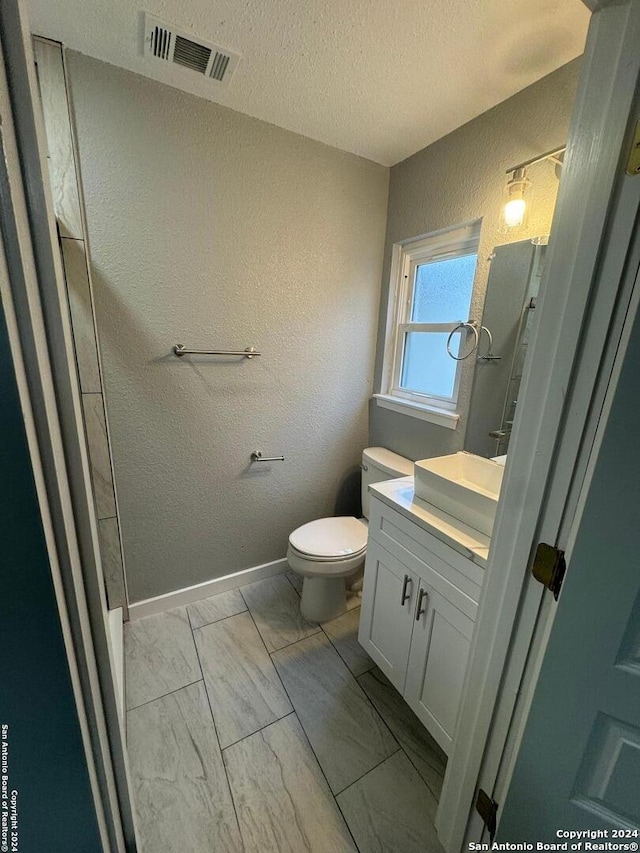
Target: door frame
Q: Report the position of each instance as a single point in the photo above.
(582, 306)
(32, 292)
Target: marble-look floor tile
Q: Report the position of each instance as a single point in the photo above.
(424, 753)
(345, 731)
(243, 686)
(181, 792)
(276, 609)
(216, 607)
(160, 656)
(282, 799)
(387, 810)
(343, 633)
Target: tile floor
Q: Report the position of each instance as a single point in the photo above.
(250, 729)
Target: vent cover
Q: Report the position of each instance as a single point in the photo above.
(166, 43)
(160, 41)
(219, 65)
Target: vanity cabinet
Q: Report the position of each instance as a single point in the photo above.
(418, 610)
(438, 656)
(388, 604)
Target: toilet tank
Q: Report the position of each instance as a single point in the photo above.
(379, 464)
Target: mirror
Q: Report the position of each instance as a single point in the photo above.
(509, 309)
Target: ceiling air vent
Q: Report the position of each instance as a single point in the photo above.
(191, 54)
(170, 45)
(219, 65)
(160, 40)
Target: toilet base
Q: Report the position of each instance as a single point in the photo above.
(323, 598)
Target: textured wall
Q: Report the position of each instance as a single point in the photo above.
(213, 229)
(462, 178)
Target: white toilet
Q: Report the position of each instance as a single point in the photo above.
(327, 551)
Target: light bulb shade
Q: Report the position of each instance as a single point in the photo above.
(514, 211)
(516, 197)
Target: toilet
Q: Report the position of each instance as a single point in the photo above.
(329, 553)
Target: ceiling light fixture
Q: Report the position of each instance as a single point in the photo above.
(518, 186)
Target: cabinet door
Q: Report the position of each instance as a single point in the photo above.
(386, 616)
(440, 646)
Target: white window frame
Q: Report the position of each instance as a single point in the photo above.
(452, 243)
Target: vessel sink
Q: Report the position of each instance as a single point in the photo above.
(463, 485)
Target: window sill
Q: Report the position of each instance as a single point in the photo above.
(441, 417)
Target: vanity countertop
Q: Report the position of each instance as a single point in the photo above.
(399, 495)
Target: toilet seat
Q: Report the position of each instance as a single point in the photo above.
(330, 539)
(319, 560)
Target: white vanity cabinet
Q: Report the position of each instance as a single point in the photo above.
(386, 615)
(418, 610)
(438, 656)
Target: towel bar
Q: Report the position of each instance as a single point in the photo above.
(257, 456)
(249, 352)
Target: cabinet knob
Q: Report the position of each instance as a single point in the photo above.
(406, 595)
(420, 609)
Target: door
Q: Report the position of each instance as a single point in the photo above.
(579, 762)
(439, 652)
(387, 608)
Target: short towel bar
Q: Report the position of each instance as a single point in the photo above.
(249, 352)
(257, 456)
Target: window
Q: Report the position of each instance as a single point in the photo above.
(433, 282)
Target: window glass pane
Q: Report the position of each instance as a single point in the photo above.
(426, 366)
(442, 291)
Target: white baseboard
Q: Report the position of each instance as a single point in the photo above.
(189, 594)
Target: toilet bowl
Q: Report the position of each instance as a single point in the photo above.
(329, 553)
(325, 553)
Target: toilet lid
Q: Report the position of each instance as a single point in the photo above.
(330, 537)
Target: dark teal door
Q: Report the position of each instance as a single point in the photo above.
(42, 753)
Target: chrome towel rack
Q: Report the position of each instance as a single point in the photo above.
(257, 456)
(248, 352)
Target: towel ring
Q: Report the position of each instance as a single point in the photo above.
(467, 325)
(489, 353)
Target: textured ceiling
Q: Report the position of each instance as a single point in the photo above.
(379, 79)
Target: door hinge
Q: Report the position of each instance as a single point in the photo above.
(487, 808)
(549, 567)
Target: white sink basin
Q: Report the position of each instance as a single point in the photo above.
(463, 485)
